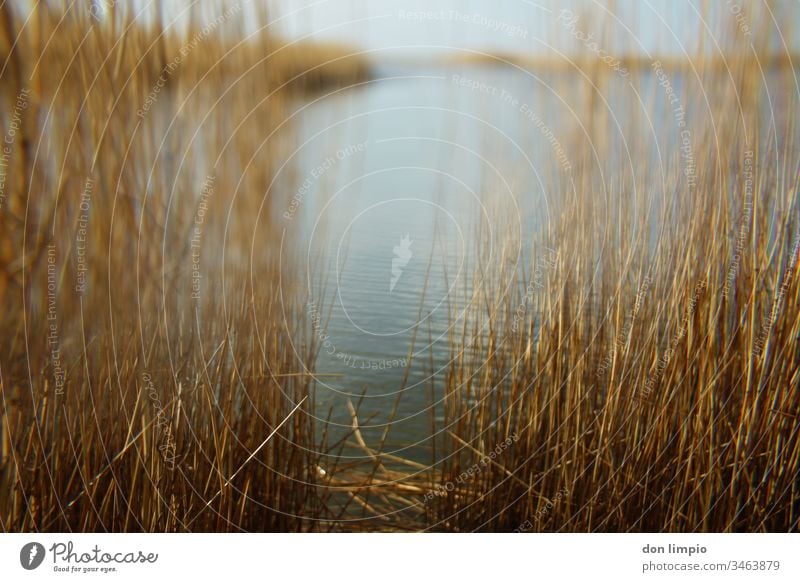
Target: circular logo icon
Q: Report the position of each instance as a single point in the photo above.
(31, 555)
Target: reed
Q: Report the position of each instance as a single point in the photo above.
(156, 375)
(146, 347)
(651, 382)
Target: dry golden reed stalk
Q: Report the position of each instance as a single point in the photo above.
(655, 386)
(145, 343)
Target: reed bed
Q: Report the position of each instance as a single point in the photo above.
(148, 376)
(651, 381)
(150, 370)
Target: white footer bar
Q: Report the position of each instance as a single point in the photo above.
(406, 557)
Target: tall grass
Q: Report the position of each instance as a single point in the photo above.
(652, 381)
(146, 350)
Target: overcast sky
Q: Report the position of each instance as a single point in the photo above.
(631, 26)
(643, 27)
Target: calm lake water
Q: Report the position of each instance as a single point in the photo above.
(399, 183)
